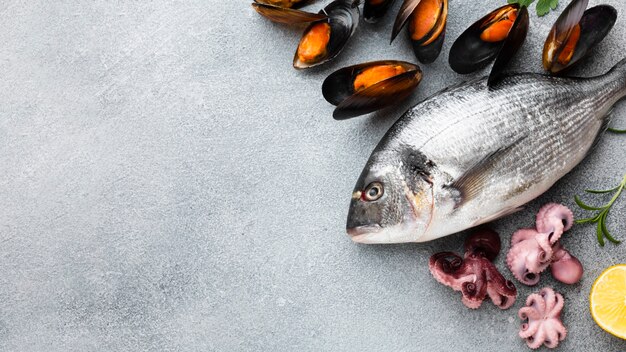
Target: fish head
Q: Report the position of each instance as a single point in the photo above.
(392, 201)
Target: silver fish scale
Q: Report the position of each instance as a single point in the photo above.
(548, 124)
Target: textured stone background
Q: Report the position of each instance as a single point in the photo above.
(169, 182)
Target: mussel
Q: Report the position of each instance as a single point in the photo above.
(497, 35)
(288, 4)
(373, 10)
(323, 40)
(286, 15)
(575, 32)
(360, 89)
(427, 26)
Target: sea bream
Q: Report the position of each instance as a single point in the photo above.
(472, 153)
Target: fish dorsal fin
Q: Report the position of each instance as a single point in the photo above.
(472, 181)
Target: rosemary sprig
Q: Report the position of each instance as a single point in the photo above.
(615, 130)
(603, 212)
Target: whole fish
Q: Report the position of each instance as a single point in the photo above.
(472, 153)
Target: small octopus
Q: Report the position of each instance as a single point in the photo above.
(544, 325)
(475, 275)
(533, 250)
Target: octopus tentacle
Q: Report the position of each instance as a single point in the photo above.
(528, 330)
(554, 217)
(536, 301)
(536, 340)
(443, 267)
(551, 338)
(523, 234)
(524, 267)
(474, 293)
(529, 313)
(502, 292)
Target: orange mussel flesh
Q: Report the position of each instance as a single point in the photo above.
(568, 50)
(314, 42)
(373, 75)
(498, 27)
(424, 18)
(282, 3)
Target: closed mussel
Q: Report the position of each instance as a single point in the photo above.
(575, 32)
(497, 35)
(277, 13)
(427, 26)
(373, 10)
(360, 89)
(323, 40)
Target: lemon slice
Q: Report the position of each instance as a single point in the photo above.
(607, 300)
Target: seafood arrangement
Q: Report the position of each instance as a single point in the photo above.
(478, 150)
(472, 154)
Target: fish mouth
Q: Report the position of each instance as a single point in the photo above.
(362, 230)
(360, 234)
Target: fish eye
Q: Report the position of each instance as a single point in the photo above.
(373, 191)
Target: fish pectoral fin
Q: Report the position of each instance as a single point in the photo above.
(472, 181)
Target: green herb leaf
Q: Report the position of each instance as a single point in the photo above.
(585, 220)
(599, 235)
(615, 130)
(583, 205)
(603, 212)
(544, 6)
(601, 191)
(606, 232)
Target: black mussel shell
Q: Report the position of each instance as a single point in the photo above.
(469, 53)
(338, 89)
(287, 4)
(594, 24)
(286, 15)
(511, 45)
(343, 18)
(427, 48)
(407, 8)
(373, 10)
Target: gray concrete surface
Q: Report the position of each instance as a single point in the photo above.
(170, 183)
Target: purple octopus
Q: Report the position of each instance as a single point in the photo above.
(544, 326)
(474, 274)
(533, 250)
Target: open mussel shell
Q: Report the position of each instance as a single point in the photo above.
(323, 40)
(286, 15)
(373, 10)
(511, 45)
(427, 28)
(575, 32)
(360, 89)
(406, 9)
(486, 38)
